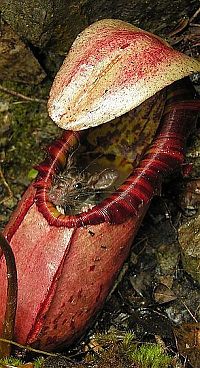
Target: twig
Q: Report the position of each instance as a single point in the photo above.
(20, 95)
(194, 15)
(11, 304)
(27, 347)
(182, 24)
(189, 311)
(4, 182)
(194, 24)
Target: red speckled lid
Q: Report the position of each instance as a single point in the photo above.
(111, 68)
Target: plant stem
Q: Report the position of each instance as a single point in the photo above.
(11, 304)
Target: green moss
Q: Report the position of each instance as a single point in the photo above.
(106, 338)
(29, 130)
(128, 340)
(122, 350)
(38, 362)
(15, 362)
(151, 356)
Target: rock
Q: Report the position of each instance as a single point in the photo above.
(17, 61)
(189, 239)
(52, 25)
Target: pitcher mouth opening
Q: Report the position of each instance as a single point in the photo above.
(76, 189)
(80, 183)
(84, 175)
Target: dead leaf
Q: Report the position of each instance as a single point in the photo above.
(188, 342)
(162, 294)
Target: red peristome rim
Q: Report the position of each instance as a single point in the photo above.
(133, 196)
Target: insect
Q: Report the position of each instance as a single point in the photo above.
(164, 155)
(74, 191)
